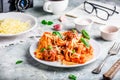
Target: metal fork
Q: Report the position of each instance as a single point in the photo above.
(113, 51)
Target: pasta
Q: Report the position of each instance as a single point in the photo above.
(68, 49)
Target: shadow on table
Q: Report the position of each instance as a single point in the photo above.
(98, 38)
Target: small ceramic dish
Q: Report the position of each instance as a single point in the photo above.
(109, 32)
(83, 23)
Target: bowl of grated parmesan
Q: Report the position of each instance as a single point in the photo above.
(16, 23)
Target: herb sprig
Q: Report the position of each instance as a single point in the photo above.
(85, 37)
(45, 22)
(72, 77)
(57, 34)
(19, 61)
(85, 34)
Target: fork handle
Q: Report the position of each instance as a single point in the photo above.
(112, 71)
(98, 69)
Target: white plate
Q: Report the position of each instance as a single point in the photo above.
(22, 17)
(95, 45)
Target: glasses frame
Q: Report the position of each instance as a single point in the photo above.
(96, 6)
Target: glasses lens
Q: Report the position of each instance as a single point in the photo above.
(88, 7)
(102, 14)
(112, 11)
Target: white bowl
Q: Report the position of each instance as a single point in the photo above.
(109, 32)
(83, 23)
(22, 17)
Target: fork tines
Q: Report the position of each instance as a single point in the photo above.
(115, 48)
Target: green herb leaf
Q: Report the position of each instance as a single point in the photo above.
(73, 51)
(49, 23)
(72, 77)
(42, 50)
(50, 47)
(85, 34)
(19, 61)
(85, 42)
(73, 30)
(44, 22)
(57, 33)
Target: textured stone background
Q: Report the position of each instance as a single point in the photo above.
(33, 70)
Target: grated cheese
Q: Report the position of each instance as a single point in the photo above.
(12, 26)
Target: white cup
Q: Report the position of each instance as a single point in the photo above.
(55, 6)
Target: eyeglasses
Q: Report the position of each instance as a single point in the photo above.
(101, 12)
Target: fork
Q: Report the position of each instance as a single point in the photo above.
(113, 51)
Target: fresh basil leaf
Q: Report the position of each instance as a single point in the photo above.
(44, 22)
(85, 34)
(42, 50)
(49, 23)
(72, 77)
(73, 51)
(85, 42)
(50, 47)
(74, 31)
(57, 33)
(19, 61)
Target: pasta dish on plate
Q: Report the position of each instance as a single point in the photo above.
(67, 47)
